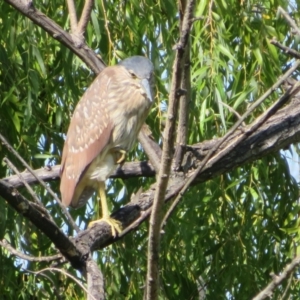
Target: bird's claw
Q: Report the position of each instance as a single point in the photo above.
(115, 225)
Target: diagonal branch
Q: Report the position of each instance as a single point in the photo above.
(47, 188)
(271, 111)
(277, 280)
(85, 16)
(88, 56)
(50, 229)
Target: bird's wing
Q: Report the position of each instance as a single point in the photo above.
(89, 132)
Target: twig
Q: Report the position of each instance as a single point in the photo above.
(72, 15)
(288, 286)
(277, 280)
(106, 22)
(232, 110)
(151, 148)
(65, 273)
(87, 55)
(4, 243)
(48, 189)
(151, 291)
(292, 91)
(287, 50)
(85, 16)
(183, 117)
(289, 19)
(29, 189)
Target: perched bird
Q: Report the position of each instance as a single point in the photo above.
(104, 127)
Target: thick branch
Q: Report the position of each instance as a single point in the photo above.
(95, 281)
(50, 229)
(277, 133)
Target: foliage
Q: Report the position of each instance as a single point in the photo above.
(229, 233)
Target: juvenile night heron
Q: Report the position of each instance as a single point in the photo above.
(104, 126)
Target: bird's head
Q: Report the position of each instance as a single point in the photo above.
(141, 68)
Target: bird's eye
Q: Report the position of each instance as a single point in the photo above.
(132, 74)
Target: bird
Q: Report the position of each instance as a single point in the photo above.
(103, 129)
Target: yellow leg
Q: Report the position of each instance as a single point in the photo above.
(114, 224)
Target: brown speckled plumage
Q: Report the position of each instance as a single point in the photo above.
(107, 119)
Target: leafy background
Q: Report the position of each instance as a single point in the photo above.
(229, 233)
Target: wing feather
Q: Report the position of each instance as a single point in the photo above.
(88, 134)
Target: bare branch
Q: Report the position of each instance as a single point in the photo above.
(207, 160)
(183, 117)
(88, 56)
(29, 189)
(287, 50)
(66, 274)
(48, 189)
(85, 16)
(151, 148)
(278, 279)
(290, 21)
(128, 170)
(151, 291)
(72, 15)
(95, 281)
(4, 243)
(50, 229)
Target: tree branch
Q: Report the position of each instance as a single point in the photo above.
(287, 50)
(277, 280)
(183, 118)
(151, 148)
(47, 188)
(4, 243)
(85, 16)
(151, 291)
(289, 20)
(250, 129)
(72, 15)
(50, 229)
(93, 61)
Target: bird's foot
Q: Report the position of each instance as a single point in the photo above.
(120, 155)
(115, 225)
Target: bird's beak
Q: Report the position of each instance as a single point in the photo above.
(147, 88)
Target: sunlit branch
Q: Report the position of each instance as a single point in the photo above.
(290, 21)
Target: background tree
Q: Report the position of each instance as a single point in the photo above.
(220, 69)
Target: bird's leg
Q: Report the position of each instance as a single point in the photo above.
(114, 224)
